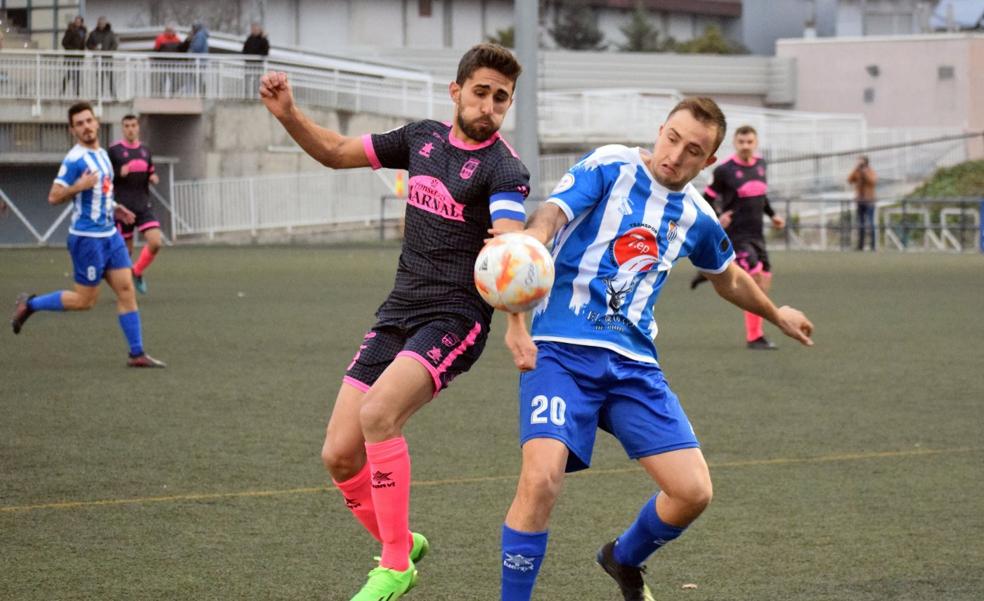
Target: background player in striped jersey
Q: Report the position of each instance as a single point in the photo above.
(622, 217)
(96, 247)
(739, 195)
(133, 165)
(464, 179)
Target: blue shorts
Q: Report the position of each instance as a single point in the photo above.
(576, 389)
(92, 257)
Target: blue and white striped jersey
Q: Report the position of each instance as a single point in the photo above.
(624, 234)
(93, 209)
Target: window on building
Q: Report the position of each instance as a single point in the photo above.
(425, 8)
(869, 95)
(944, 72)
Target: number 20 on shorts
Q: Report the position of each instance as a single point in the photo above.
(552, 410)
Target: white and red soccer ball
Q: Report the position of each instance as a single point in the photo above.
(514, 272)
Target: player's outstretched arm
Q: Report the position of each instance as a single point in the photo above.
(737, 287)
(329, 148)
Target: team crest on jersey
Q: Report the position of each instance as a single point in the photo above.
(739, 173)
(451, 339)
(468, 169)
(761, 171)
(425, 151)
(671, 231)
(565, 184)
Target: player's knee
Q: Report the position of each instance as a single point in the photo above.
(87, 301)
(154, 245)
(340, 463)
(540, 484)
(377, 419)
(697, 495)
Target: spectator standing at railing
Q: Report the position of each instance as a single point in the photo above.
(864, 178)
(197, 42)
(74, 41)
(257, 45)
(166, 42)
(198, 38)
(257, 42)
(133, 166)
(104, 39)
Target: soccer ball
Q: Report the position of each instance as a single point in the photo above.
(514, 272)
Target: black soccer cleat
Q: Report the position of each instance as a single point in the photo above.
(762, 344)
(144, 360)
(628, 578)
(21, 311)
(697, 281)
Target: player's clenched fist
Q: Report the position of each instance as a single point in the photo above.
(276, 93)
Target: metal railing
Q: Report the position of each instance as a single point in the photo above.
(215, 206)
(905, 224)
(100, 77)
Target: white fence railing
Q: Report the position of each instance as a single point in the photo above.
(213, 206)
(104, 77)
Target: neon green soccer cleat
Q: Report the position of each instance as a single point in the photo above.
(420, 547)
(385, 584)
(140, 284)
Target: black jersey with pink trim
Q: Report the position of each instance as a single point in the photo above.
(741, 188)
(455, 192)
(132, 189)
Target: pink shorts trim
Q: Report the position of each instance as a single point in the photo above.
(435, 375)
(760, 268)
(362, 386)
(149, 226)
(436, 372)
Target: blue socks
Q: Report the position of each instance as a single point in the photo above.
(644, 536)
(48, 302)
(130, 323)
(522, 554)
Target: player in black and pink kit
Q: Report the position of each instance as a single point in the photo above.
(133, 165)
(464, 180)
(738, 193)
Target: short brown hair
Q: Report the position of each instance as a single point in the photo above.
(78, 107)
(129, 117)
(746, 129)
(706, 111)
(492, 56)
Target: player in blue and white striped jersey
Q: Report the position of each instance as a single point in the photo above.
(97, 248)
(619, 220)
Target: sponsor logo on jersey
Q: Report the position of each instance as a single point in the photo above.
(431, 195)
(637, 250)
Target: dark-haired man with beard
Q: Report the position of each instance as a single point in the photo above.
(464, 180)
